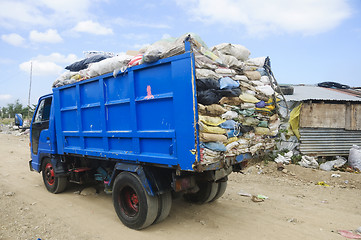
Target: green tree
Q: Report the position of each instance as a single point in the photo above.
(12, 108)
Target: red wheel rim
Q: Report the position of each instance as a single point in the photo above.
(49, 174)
(128, 201)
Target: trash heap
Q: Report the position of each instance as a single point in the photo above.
(235, 93)
(236, 102)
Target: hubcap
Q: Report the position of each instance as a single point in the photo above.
(128, 201)
(49, 174)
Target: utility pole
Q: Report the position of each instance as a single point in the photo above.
(31, 78)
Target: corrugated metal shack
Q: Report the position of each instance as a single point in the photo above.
(330, 119)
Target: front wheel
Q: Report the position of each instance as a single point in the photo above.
(52, 183)
(133, 205)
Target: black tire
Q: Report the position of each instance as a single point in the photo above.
(133, 205)
(207, 192)
(164, 206)
(222, 186)
(52, 183)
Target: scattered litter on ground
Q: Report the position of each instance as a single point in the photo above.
(285, 159)
(328, 166)
(349, 234)
(256, 199)
(335, 175)
(244, 194)
(322, 183)
(308, 162)
(262, 196)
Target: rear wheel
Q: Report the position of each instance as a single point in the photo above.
(133, 205)
(164, 206)
(222, 186)
(207, 192)
(52, 183)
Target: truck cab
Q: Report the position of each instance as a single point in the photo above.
(42, 132)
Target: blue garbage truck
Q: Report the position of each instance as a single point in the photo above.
(136, 132)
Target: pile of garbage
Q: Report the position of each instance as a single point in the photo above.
(350, 164)
(102, 63)
(236, 102)
(236, 98)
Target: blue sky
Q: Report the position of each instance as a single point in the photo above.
(308, 41)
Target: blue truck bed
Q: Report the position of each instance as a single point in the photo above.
(147, 114)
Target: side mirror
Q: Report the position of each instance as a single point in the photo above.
(18, 120)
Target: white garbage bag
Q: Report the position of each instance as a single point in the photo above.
(354, 158)
(339, 162)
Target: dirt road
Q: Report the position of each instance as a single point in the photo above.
(296, 207)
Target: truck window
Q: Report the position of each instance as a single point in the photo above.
(43, 112)
(41, 122)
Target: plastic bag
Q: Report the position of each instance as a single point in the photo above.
(248, 98)
(240, 78)
(211, 129)
(247, 105)
(253, 75)
(231, 101)
(225, 72)
(266, 90)
(339, 162)
(230, 115)
(265, 80)
(308, 162)
(205, 84)
(215, 146)
(231, 61)
(234, 92)
(211, 121)
(258, 62)
(108, 65)
(262, 131)
(233, 133)
(227, 83)
(208, 97)
(250, 121)
(202, 73)
(238, 51)
(137, 60)
(82, 64)
(229, 124)
(354, 158)
(284, 159)
(211, 137)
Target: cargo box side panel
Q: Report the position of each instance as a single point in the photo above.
(146, 114)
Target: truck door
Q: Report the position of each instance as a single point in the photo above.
(39, 129)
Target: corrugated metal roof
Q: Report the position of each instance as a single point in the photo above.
(328, 141)
(302, 93)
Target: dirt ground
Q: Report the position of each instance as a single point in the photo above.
(296, 207)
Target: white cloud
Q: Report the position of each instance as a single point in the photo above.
(57, 58)
(13, 39)
(92, 28)
(5, 97)
(48, 65)
(135, 37)
(133, 23)
(50, 36)
(41, 68)
(262, 17)
(26, 13)
(20, 13)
